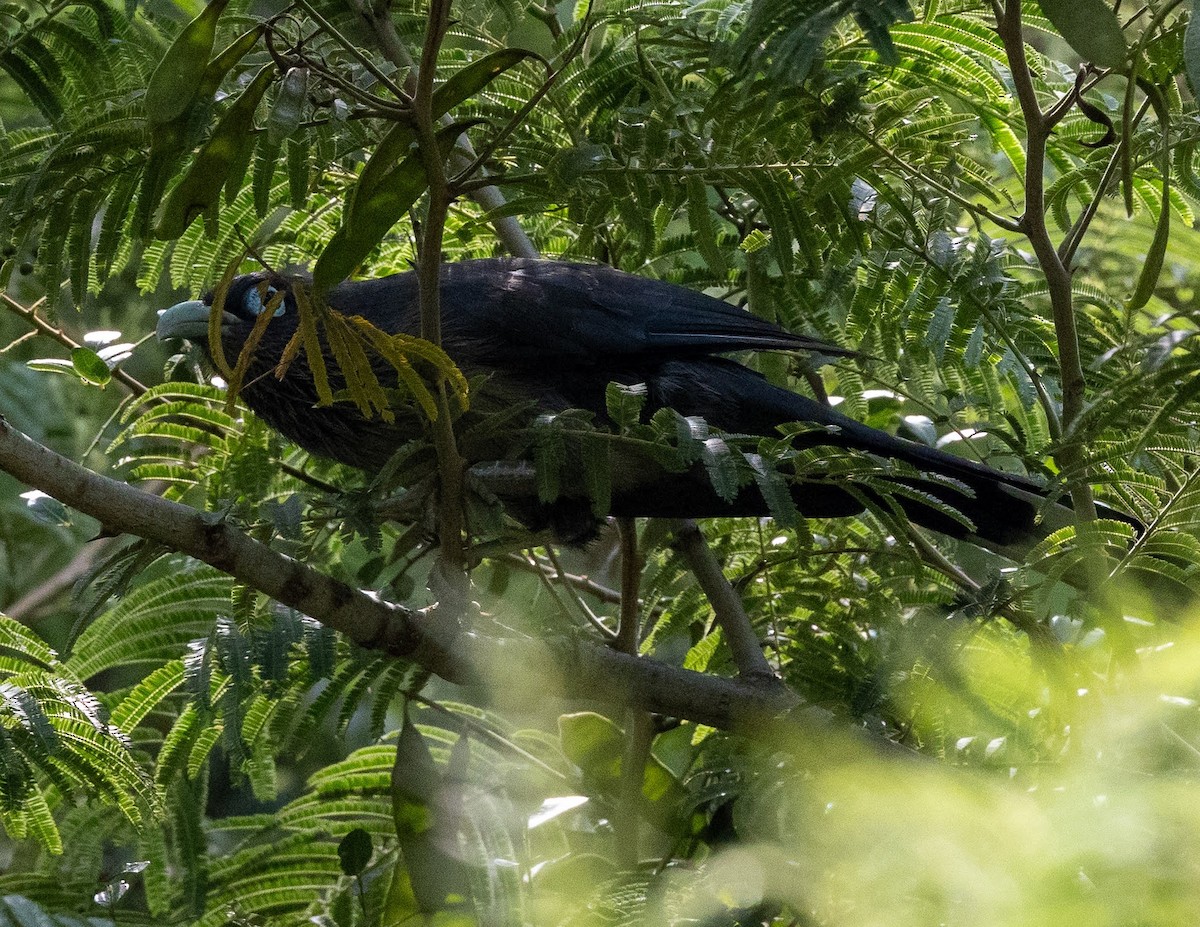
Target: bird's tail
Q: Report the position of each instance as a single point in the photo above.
(1008, 513)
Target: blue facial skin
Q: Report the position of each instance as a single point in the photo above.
(253, 301)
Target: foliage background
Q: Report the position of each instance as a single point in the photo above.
(1004, 750)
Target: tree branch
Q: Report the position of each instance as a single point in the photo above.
(42, 327)
(731, 615)
(488, 196)
(122, 508)
(1058, 277)
(450, 463)
(629, 629)
(570, 668)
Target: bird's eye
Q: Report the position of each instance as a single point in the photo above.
(254, 301)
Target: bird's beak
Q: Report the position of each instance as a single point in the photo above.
(188, 320)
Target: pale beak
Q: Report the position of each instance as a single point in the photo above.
(188, 320)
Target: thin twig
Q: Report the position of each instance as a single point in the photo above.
(976, 209)
(578, 580)
(354, 51)
(629, 628)
(520, 115)
(592, 618)
(1070, 243)
(30, 315)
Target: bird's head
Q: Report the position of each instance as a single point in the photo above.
(246, 299)
(289, 402)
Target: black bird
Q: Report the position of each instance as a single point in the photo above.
(543, 336)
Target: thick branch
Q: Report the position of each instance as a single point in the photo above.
(121, 508)
(571, 669)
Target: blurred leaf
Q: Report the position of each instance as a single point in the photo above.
(201, 186)
(424, 826)
(1092, 29)
(1191, 47)
(174, 82)
(354, 851)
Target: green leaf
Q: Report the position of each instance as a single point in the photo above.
(236, 178)
(354, 851)
(51, 365)
(755, 241)
(416, 781)
(164, 159)
(375, 216)
(593, 743)
(1091, 28)
(1152, 266)
(597, 746)
(113, 226)
(549, 457)
(424, 827)
(702, 652)
(374, 212)
(221, 65)
(721, 464)
(266, 156)
(297, 165)
(396, 143)
(34, 84)
(775, 491)
(624, 404)
(941, 327)
(701, 221)
(175, 81)
(146, 695)
(1191, 48)
(475, 76)
(153, 624)
(597, 472)
(90, 367)
(288, 109)
(201, 186)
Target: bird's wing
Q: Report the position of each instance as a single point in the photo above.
(559, 309)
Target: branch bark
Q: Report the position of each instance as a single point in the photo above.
(570, 668)
(450, 464)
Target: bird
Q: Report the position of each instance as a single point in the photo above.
(537, 337)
